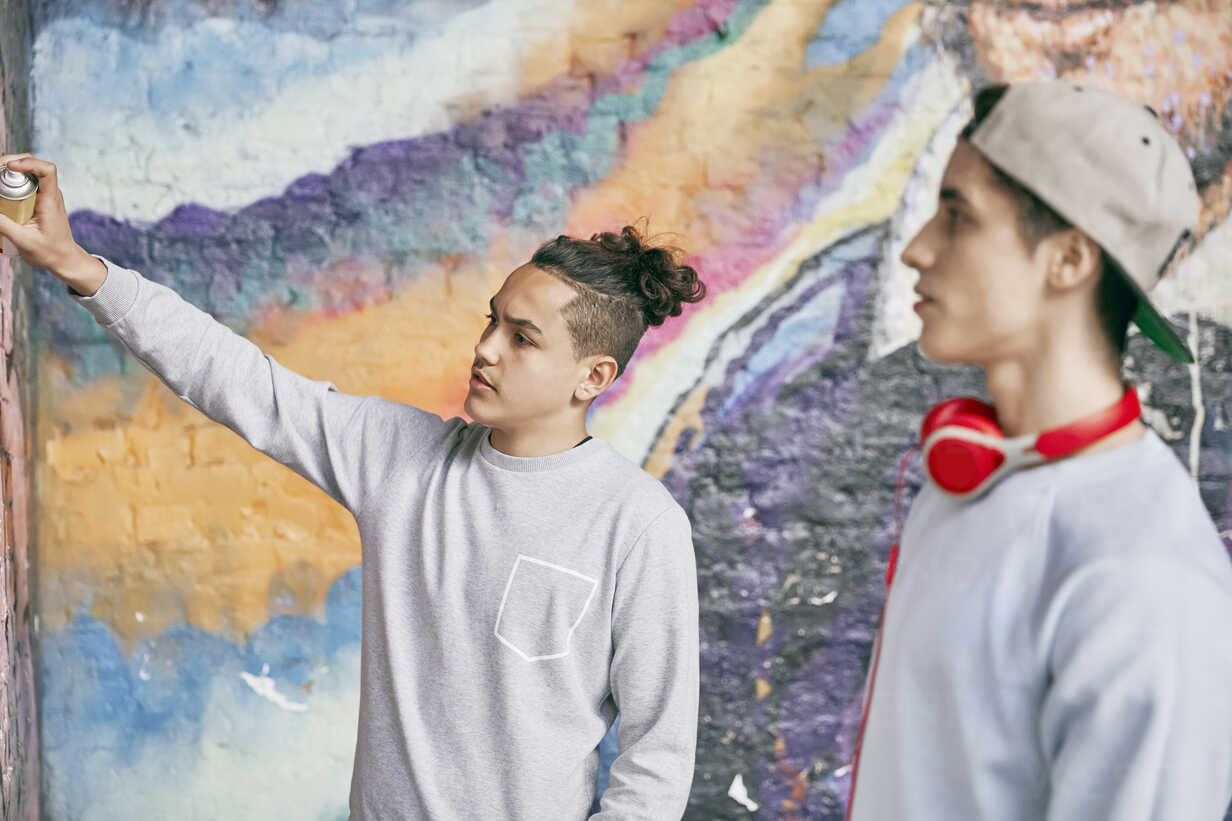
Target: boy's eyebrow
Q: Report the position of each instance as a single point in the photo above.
(521, 323)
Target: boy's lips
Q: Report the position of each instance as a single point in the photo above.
(478, 380)
(924, 299)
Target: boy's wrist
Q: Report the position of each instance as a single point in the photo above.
(84, 273)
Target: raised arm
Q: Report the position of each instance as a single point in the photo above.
(654, 675)
(306, 425)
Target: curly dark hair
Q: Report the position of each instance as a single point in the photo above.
(624, 285)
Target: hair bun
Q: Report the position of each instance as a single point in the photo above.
(665, 284)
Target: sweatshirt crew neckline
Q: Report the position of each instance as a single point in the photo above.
(536, 464)
(1087, 466)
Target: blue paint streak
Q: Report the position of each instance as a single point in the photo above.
(322, 21)
(888, 100)
(171, 675)
(609, 748)
(809, 325)
(344, 610)
(95, 701)
(850, 28)
(160, 691)
(796, 328)
(287, 648)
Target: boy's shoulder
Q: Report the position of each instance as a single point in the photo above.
(1135, 504)
(628, 480)
(393, 421)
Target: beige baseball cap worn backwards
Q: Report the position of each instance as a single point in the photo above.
(1109, 167)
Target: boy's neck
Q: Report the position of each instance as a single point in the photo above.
(544, 441)
(1058, 384)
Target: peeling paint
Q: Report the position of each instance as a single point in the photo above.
(739, 793)
(267, 688)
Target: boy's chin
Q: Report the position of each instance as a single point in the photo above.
(477, 411)
(943, 354)
(470, 407)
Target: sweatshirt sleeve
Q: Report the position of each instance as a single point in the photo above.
(307, 425)
(654, 675)
(1137, 719)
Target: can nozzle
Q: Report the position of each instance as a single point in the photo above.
(11, 178)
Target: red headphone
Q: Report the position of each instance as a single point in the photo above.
(966, 453)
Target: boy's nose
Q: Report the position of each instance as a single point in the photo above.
(917, 254)
(484, 353)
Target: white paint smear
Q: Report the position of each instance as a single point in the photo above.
(740, 794)
(1195, 381)
(134, 146)
(267, 688)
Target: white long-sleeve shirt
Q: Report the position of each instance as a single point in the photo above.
(1060, 649)
(511, 606)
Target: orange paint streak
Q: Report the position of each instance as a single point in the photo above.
(600, 38)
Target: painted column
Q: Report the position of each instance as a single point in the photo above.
(19, 758)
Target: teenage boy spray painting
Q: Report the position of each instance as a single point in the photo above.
(1055, 641)
(522, 581)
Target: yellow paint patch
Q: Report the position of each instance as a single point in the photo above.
(762, 688)
(736, 129)
(765, 627)
(598, 38)
(688, 417)
(148, 507)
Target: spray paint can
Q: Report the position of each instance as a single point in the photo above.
(18, 192)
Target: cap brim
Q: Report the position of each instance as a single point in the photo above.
(1155, 327)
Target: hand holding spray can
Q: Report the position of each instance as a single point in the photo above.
(18, 192)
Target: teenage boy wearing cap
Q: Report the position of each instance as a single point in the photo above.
(1055, 642)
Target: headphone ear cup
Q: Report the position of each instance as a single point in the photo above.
(956, 465)
(951, 409)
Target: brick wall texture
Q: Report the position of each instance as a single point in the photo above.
(346, 183)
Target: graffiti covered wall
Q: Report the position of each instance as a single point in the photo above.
(19, 754)
(346, 184)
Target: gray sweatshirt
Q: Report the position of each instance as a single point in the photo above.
(1060, 649)
(511, 605)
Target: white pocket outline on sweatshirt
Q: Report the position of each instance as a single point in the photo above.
(594, 585)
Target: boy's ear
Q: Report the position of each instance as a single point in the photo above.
(1074, 259)
(600, 376)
